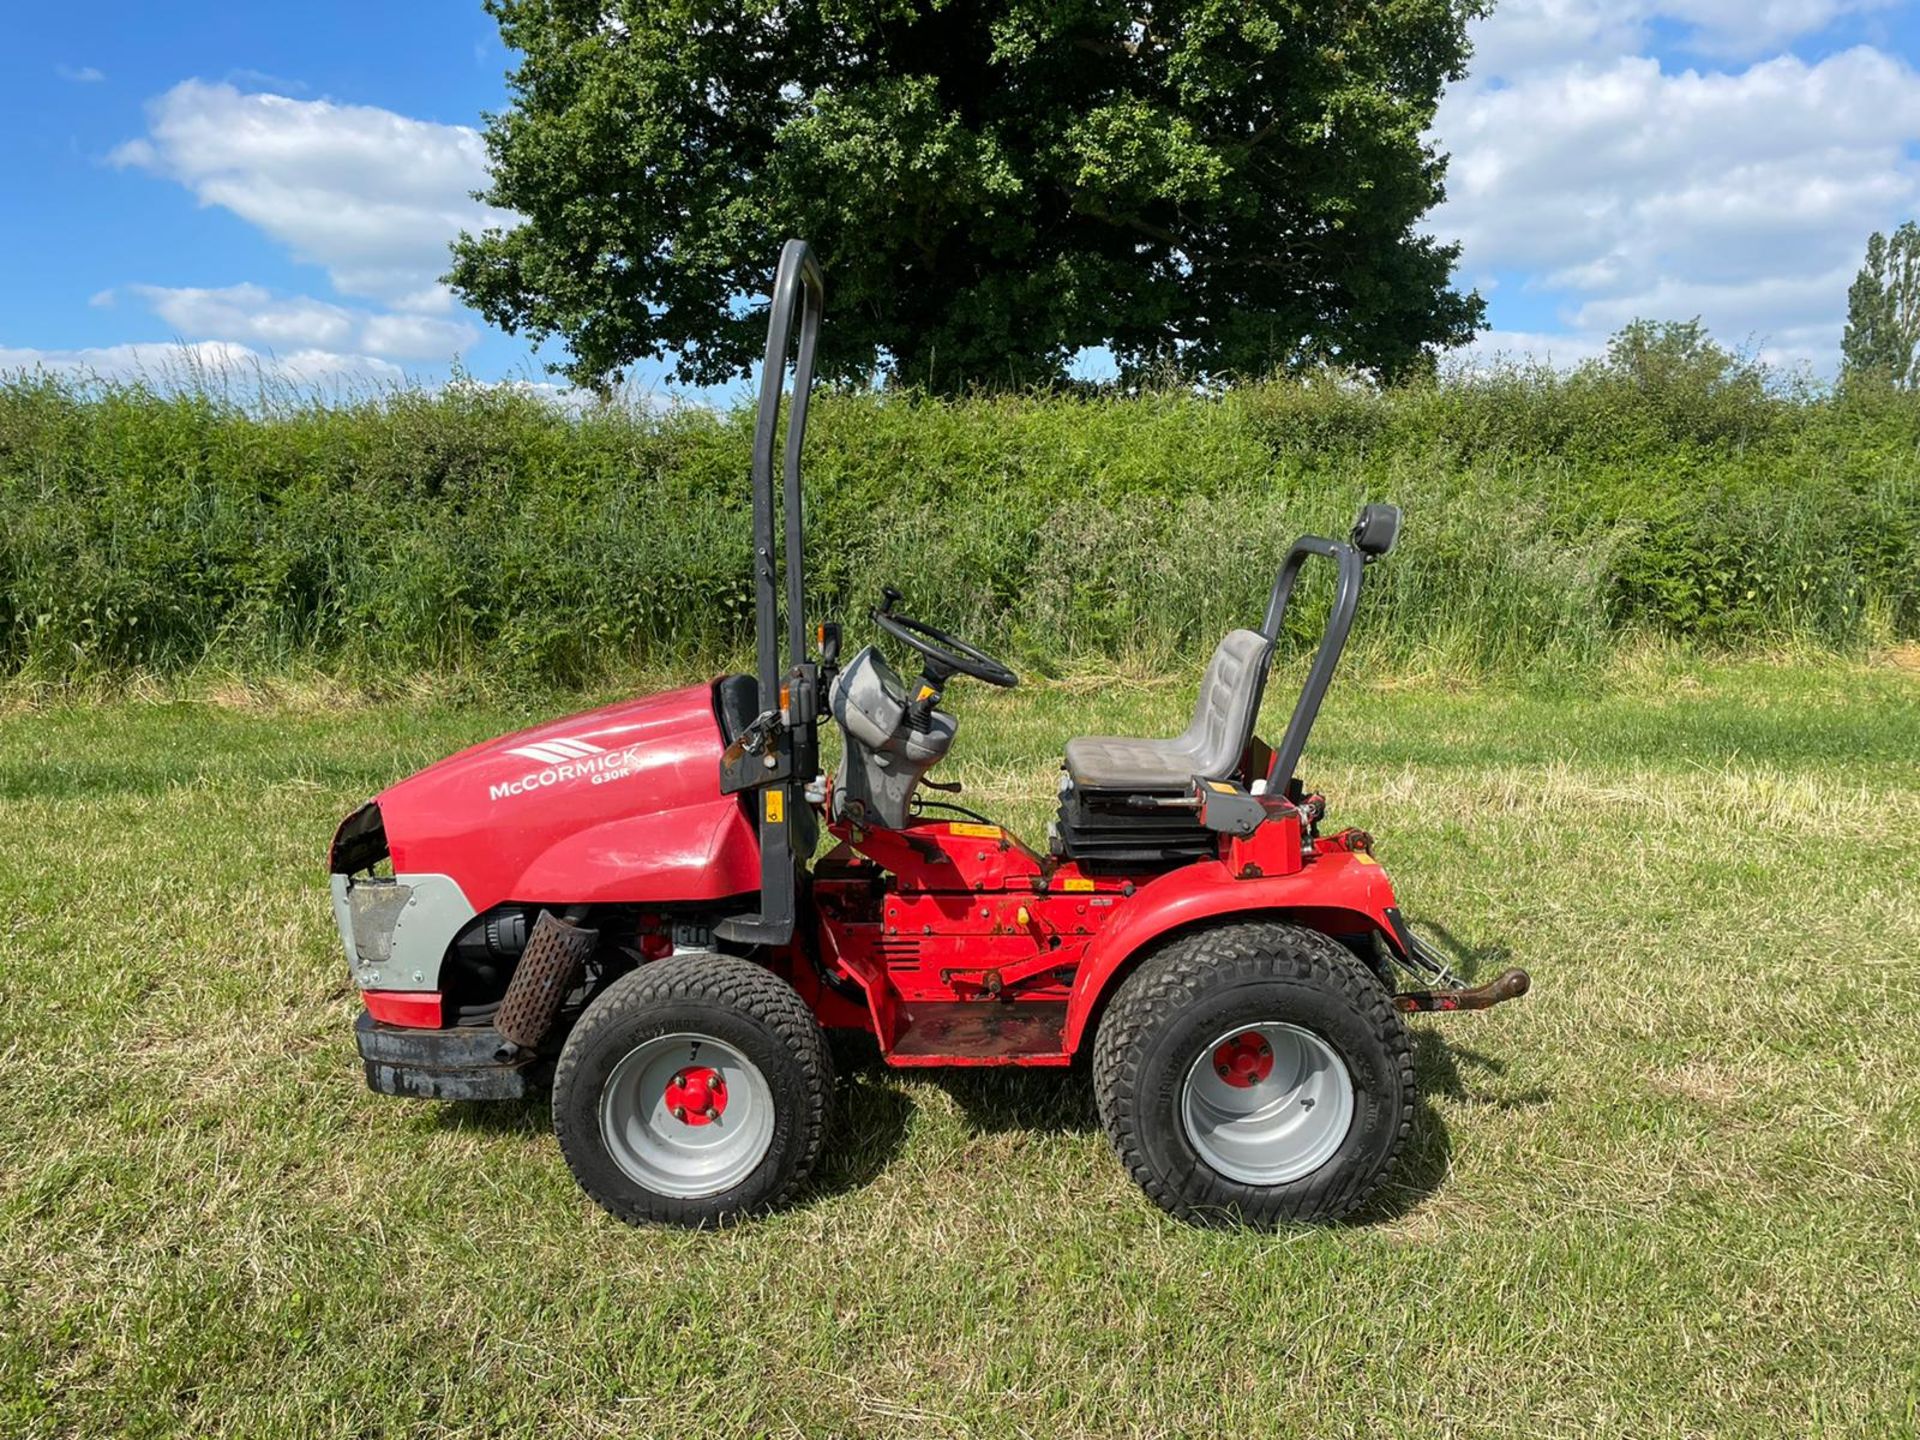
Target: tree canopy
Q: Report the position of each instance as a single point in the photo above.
(1217, 188)
(1883, 311)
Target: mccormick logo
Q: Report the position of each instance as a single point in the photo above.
(565, 760)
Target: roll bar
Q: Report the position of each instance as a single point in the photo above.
(1374, 534)
(799, 295)
(773, 762)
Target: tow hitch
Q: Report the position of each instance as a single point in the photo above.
(1418, 956)
(1509, 985)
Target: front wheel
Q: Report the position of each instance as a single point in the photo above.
(693, 1092)
(1256, 1073)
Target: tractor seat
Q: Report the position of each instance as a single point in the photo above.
(1210, 747)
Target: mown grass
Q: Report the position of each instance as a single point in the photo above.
(1675, 1191)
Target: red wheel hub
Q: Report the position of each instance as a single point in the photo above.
(1245, 1060)
(697, 1095)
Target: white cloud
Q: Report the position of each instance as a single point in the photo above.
(372, 196)
(433, 300)
(217, 365)
(1623, 190)
(251, 312)
(417, 337)
(79, 74)
(1741, 28)
(1526, 35)
(322, 368)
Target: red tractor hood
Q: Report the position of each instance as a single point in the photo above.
(617, 804)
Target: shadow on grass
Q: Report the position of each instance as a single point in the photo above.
(1051, 1099)
(1047, 1098)
(872, 1114)
(496, 1117)
(1429, 1149)
(1437, 1071)
(1466, 960)
(865, 1134)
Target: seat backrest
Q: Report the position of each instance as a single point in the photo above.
(1229, 702)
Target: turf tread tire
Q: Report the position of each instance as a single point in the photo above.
(1189, 974)
(736, 1000)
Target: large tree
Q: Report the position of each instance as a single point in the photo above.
(1218, 187)
(1883, 311)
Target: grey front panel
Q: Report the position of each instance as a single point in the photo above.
(396, 931)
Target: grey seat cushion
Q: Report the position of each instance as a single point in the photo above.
(1108, 762)
(1211, 745)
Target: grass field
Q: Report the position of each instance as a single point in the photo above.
(1675, 1191)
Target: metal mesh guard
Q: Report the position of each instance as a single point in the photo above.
(549, 967)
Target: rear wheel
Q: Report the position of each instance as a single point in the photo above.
(1255, 1074)
(693, 1092)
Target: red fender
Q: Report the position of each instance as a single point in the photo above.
(1339, 891)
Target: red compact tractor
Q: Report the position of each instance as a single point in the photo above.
(626, 905)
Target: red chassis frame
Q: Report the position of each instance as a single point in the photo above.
(966, 947)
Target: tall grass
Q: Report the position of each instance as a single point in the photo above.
(1548, 518)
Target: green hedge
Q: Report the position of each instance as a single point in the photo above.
(1548, 518)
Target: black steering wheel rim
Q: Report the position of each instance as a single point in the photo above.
(953, 655)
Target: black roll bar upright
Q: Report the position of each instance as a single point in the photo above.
(1352, 569)
(799, 291)
(792, 745)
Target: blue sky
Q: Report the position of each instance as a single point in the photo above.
(274, 186)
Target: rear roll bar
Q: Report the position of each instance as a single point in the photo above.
(1352, 565)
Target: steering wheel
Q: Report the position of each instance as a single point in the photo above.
(945, 655)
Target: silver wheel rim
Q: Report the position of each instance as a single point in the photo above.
(695, 1155)
(1275, 1116)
